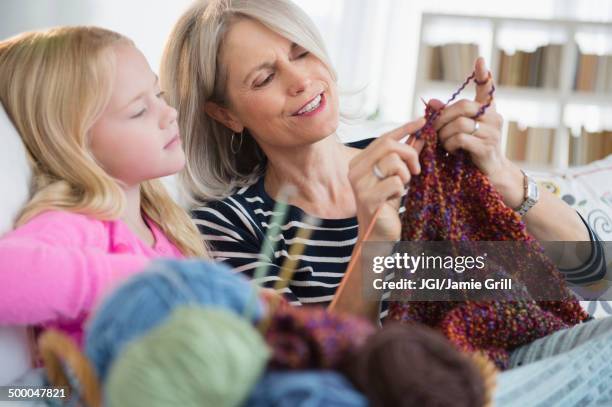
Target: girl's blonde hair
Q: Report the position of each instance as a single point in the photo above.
(54, 85)
(192, 74)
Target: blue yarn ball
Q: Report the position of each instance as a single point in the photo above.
(148, 298)
(305, 389)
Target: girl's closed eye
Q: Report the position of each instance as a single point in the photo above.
(158, 95)
(139, 114)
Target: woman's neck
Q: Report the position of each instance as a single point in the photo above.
(320, 174)
(132, 215)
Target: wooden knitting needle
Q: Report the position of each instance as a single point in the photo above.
(268, 247)
(358, 248)
(59, 352)
(279, 214)
(289, 266)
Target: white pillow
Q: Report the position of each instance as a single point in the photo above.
(15, 175)
(587, 189)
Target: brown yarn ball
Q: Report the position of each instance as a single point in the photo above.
(413, 365)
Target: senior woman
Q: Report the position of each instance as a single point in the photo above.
(258, 109)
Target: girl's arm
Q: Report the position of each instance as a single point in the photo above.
(58, 266)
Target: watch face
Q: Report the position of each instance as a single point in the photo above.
(532, 190)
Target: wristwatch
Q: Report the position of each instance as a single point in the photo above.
(532, 194)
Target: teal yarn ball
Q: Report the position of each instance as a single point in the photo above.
(148, 298)
(308, 388)
(198, 357)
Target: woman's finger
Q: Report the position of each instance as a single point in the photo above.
(393, 165)
(363, 163)
(406, 129)
(389, 188)
(415, 143)
(484, 82)
(372, 194)
(468, 126)
(465, 142)
(463, 107)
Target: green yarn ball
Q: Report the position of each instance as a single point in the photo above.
(198, 357)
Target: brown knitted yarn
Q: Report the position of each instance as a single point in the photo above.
(453, 200)
(411, 365)
(312, 337)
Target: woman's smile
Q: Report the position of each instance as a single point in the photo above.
(314, 106)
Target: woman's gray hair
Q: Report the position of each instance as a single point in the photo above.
(191, 74)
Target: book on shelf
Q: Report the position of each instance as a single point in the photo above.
(531, 144)
(517, 142)
(593, 73)
(537, 69)
(451, 62)
(589, 146)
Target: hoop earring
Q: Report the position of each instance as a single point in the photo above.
(235, 151)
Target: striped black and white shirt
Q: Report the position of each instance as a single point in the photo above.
(235, 229)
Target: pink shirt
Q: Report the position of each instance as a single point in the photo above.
(55, 268)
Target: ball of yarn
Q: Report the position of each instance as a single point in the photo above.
(198, 357)
(412, 365)
(149, 297)
(312, 337)
(305, 389)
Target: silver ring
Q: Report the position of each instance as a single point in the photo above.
(377, 172)
(476, 127)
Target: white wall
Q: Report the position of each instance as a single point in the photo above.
(373, 43)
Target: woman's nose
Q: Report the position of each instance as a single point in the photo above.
(299, 81)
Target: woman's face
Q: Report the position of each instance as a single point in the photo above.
(284, 95)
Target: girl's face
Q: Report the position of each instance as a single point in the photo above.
(137, 137)
(284, 95)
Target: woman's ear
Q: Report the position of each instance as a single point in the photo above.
(223, 116)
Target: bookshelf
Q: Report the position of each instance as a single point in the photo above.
(502, 41)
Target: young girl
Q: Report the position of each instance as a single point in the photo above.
(99, 134)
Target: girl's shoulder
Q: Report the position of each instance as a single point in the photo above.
(63, 227)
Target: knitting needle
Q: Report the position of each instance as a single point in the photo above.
(289, 266)
(358, 248)
(291, 262)
(279, 213)
(266, 254)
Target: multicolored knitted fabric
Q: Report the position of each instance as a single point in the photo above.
(312, 337)
(453, 200)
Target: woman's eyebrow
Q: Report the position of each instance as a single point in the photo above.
(266, 65)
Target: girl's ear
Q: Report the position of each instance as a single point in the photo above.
(223, 116)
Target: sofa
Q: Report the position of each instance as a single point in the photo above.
(587, 188)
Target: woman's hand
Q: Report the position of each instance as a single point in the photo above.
(378, 176)
(481, 138)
